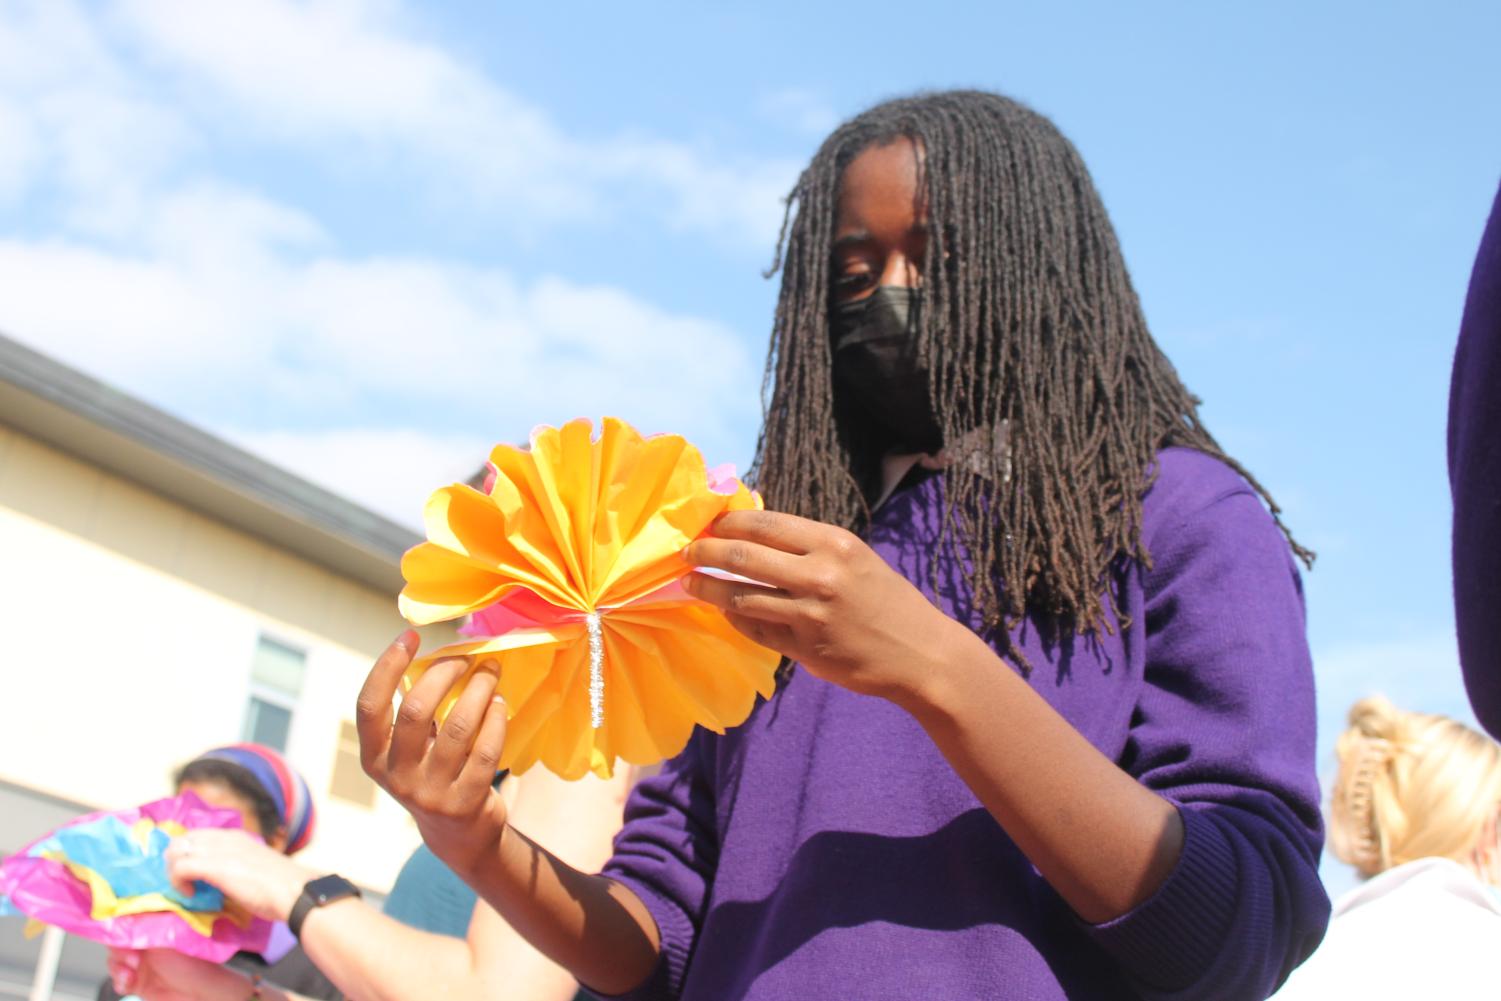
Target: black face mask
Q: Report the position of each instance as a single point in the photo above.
(876, 369)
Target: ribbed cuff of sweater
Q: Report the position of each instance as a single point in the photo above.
(675, 932)
(1170, 940)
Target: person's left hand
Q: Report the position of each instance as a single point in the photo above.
(260, 879)
(165, 975)
(828, 602)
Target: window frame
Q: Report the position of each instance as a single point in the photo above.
(272, 695)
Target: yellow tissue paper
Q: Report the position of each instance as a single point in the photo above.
(569, 565)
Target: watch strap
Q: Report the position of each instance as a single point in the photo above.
(316, 893)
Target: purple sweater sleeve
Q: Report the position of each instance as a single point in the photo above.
(1225, 730)
(1475, 479)
(666, 853)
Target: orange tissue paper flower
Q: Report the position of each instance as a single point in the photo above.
(569, 565)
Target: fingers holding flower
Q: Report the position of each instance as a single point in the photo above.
(441, 774)
(819, 595)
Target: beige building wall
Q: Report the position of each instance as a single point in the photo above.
(130, 624)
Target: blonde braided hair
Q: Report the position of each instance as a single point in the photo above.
(1410, 785)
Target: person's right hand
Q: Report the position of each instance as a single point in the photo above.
(442, 777)
(246, 870)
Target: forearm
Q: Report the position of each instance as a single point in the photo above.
(591, 926)
(370, 956)
(598, 931)
(373, 957)
(1100, 838)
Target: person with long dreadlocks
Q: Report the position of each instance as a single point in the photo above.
(1046, 728)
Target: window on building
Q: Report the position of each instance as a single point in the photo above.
(267, 723)
(275, 682)
(350, 782)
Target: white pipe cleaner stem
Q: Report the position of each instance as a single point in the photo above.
(596, 671)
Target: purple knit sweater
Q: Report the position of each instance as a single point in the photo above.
(825, 849)
(1475, 478)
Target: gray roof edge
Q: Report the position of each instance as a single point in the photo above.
(235, 469)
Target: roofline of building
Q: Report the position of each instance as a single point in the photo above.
(99, 424)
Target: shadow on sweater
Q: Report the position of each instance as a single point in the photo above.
(926, 881)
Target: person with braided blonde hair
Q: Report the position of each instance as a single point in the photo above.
(1414, 809)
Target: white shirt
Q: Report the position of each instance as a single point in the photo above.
(1426, 929)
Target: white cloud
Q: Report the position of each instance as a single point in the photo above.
(799, 110)
(1419, 672)
(313, 65)
(228, 225)
(330, 73)
(389, 471)
(84, 128)
(378, 379)
(22, 147)
(108, 153)
(47, 43)
(740, 200)
(108, 110)
(117, 316)
(201, 293)
(235, 309)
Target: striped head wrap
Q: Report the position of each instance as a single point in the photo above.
(286, 787)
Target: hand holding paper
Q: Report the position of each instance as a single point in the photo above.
(826, 600)
(104, 876)
(246, 870)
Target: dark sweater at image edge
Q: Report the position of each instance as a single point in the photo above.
(1475, 479)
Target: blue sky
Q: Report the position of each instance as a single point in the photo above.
(367, 238)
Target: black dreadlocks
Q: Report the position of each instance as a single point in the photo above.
(1032, 335)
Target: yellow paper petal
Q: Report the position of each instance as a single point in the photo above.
(562, 472)
(718, 672)
(473, 558)
(485, 651)
(581, 523)
(665, 672)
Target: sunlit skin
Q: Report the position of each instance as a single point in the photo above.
(832, 604)
(881, 231)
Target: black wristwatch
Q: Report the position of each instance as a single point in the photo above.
(316, 893)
